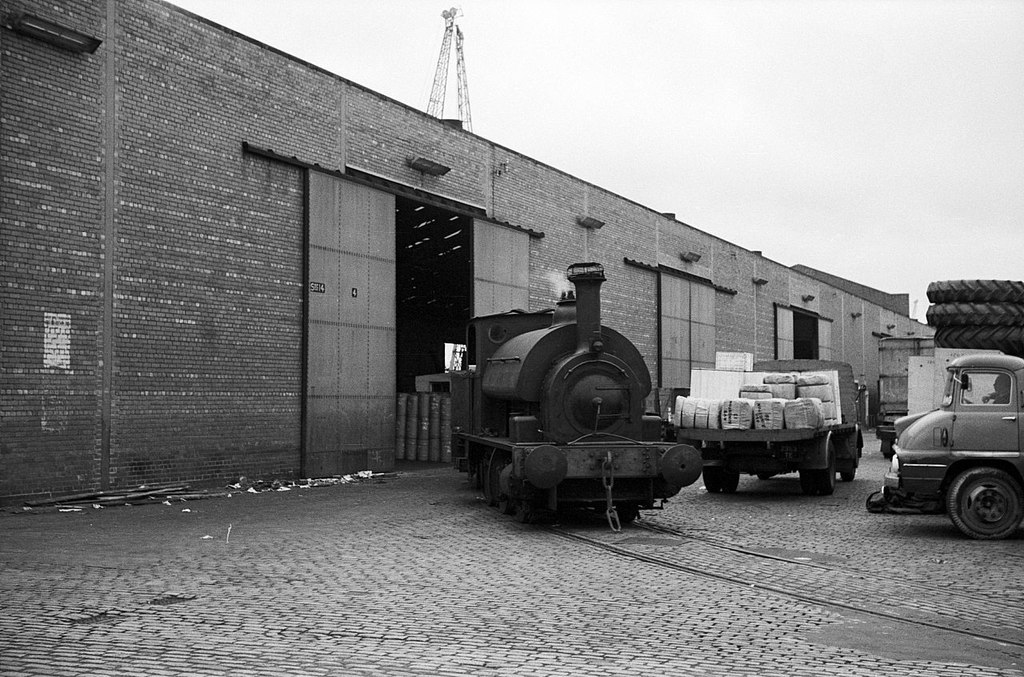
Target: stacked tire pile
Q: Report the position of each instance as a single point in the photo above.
(978, 314)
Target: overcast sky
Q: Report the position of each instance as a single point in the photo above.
(881, 141)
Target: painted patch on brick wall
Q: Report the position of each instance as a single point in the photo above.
(57, 340)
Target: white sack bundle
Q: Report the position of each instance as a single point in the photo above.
(769, 414)
(709, 416)
(755, 391)
(785, 391)
(821, 392)
(737, 414)
(803, 413)
(697, 412)
(778, 378)
(812, 379)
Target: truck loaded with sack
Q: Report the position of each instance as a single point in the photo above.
(784, 416)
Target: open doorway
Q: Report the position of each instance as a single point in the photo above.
(805, 336)
(434, 282)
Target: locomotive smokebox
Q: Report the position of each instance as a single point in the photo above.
(587, 277)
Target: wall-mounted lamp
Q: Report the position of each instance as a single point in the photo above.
(54, 33)
(807, 298)
(589, 222)
(422, 164)
(855, 315)
(759, 281)
(890, 327)
(689, 257)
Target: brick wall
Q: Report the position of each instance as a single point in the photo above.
(202, 272)
(50, 212)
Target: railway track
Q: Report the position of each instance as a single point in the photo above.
(842, 588)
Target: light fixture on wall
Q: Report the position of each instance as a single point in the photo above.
(759, 281)
(422, 164)
(54, 33)
(589, 222)
(890, 327)
(807, 298)
(855, 315)
(689, 257)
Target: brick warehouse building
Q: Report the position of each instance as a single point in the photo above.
(221, 260)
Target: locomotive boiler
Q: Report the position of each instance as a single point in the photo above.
(553, 414)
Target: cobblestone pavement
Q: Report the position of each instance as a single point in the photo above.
(415, 576)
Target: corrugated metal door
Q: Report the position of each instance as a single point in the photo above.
(675, 332)
(350, 373)
(501, 269)
(824, 339)
(687, 330)
(783, 333)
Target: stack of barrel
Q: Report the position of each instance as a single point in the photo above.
(423, 427)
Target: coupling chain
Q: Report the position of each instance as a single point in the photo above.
(608, 480)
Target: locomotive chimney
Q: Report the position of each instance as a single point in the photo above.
(588, 278)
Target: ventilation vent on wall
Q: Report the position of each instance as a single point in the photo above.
(54, 33)
(422, 164)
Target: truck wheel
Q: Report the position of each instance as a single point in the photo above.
(976, 291)
(848, 475)
(718, 480)
(985, 503)
(820, 482)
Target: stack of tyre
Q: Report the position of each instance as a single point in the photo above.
(978, 314)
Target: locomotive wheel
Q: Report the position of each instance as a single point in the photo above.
(523, 512)
(627, 512)
(976, 291)
(985, 503)
(492, 477)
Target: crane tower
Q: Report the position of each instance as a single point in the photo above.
(437, 93)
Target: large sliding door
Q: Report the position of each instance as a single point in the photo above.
(687, 329)
(501, 269)
(350, 348)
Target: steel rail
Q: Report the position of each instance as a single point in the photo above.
(733, 580)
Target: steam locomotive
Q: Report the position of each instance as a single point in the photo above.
(552, 416)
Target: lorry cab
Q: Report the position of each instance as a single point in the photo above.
(967, 453)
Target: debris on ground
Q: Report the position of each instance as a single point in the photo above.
(170, 493)
(143, 494)
(258, 486)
